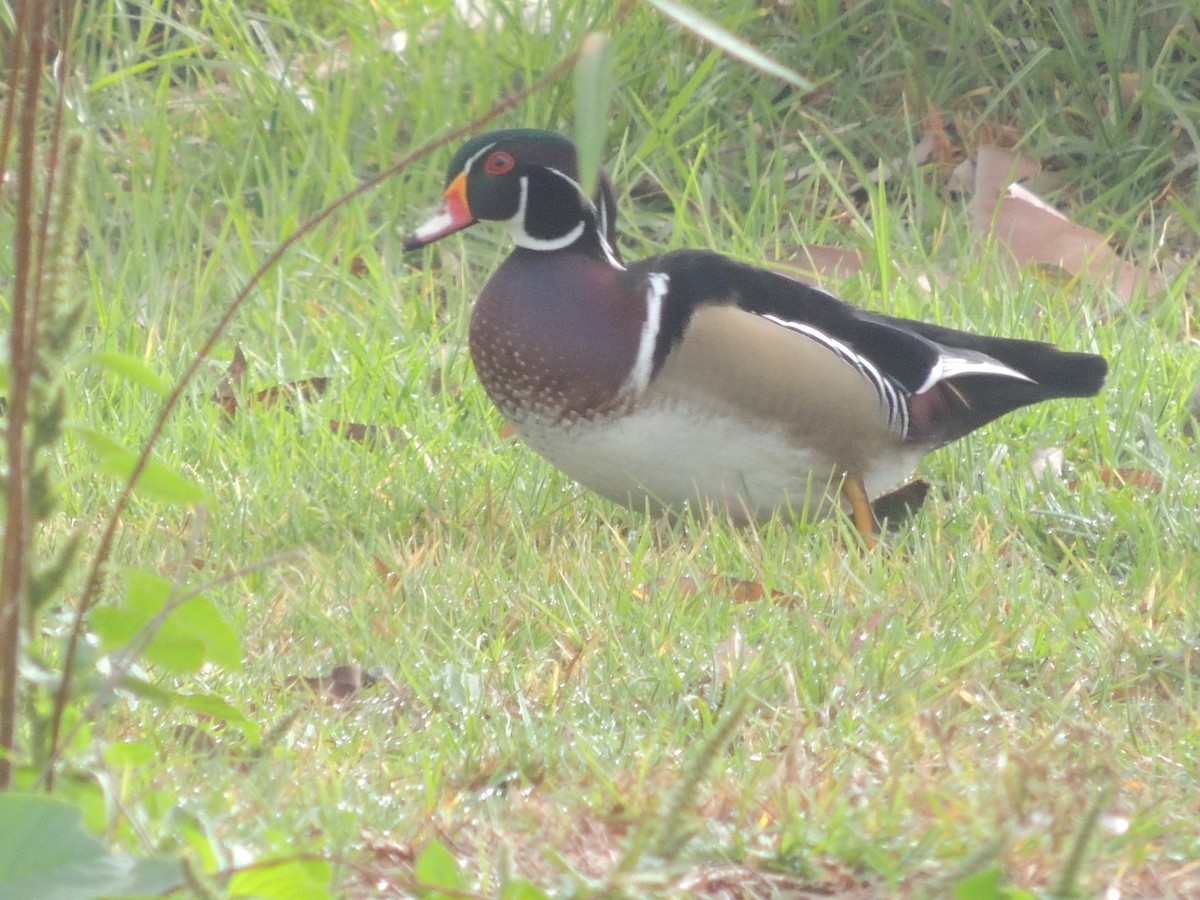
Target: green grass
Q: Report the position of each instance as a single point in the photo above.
(553, 663)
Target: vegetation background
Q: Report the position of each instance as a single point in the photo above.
(421, 661)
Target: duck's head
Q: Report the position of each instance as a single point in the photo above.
(528, 180)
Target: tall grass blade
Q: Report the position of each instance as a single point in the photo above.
(593, 97)
(710, 31)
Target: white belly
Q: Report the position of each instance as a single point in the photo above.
(671, 455)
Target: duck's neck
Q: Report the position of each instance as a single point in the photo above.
(552, 215)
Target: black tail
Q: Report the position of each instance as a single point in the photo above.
(961, 404)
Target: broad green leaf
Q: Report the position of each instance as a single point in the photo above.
(208, 705)
(985, 885)
(130, 754)
(593, 96)
(157, 480)
(523, 890)
(132, 369)
(46, 853)
(214, 707)
(291, 879)
(437, 870)
(192, 634)
(732, 44)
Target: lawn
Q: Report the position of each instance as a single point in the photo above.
(463, 675)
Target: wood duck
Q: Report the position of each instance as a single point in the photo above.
(691, 377)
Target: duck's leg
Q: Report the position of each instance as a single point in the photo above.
(860, 507)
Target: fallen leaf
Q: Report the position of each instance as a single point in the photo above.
(942, 150)
(342, 682)
(1135, 478)
(306, 389)
(369, 435)
(1047, 461)
(226, 393)
(902, 503)
(1033, 232)
(816, 262)
(743, 590)
(390, 577)
(731, 657)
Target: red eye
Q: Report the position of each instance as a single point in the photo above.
(499, 163)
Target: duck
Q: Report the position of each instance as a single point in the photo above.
(691, 379)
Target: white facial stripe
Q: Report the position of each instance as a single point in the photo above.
(470, 162)
(643, 364)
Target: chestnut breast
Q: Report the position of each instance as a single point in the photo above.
(554, 336)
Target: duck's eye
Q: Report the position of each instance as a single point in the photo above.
(499, 163)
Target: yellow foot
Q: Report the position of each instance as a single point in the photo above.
(860, 507)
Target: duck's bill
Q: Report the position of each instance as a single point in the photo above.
(453, 215)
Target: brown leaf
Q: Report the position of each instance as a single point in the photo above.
(369, 435)
(230, 385)
(815, 262)
(1135, 478)
(226, 392)
(306, 389)
(942, 151)
(389, 576)
(743, 590)
(1033, 232)
(902, 503)
(342, 682)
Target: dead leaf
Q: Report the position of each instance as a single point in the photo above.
(305, 390)
(902, 503)
(1136, 478)
(342, 682)
(942, 151)
(229, 388)
(731, 657)
(1047, 461)
(1033, 232)
(389, 576)
(369, 435)
(743, 590)
(226, 393)
(813, 262)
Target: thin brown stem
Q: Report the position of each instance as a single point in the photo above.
(14, 576)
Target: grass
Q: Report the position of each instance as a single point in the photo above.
(551, 664)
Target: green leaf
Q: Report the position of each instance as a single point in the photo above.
(130, 754)
(593, 97)
(290, 879)
(45, 853)
(522, 890)
(132, 369)
(192, 634)
(732, 44)
(208, 705)
(985, 885)
(437, 870)
(216, 708)
(156, 481)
